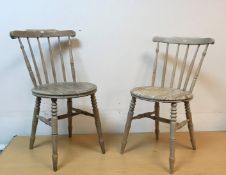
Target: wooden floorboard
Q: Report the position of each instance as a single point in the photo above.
(144, 156)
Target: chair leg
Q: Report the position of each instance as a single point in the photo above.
(190, 124)
(172, 136)
(128, 124)
(97, 122)
(54, 122)
(35, 121)
(157, 120)
(69, 111)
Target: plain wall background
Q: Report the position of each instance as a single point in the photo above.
(115, 36)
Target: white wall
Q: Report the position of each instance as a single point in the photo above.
(114, 37)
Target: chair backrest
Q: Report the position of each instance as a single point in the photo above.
(178, 68)
(29, 38)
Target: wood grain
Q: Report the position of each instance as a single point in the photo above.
(41, 33)
(65, 90)
(184, 40)
(150, 93)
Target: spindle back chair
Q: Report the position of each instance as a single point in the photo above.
(171, 92)
(49, 84)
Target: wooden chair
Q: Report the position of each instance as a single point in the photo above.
(65, 87)
(172, 93)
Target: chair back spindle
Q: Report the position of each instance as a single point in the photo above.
(52, 60)
(155, 64)
(43, 61)
(174, 66)
(198, 69)
(34, 62)
(183, 67)
(191, 67)
(62, 60)
(71, 59)
(27, 62)
(165, 65)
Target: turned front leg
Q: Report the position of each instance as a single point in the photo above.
(54, 123)
(172, 136)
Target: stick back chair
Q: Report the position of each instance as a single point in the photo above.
(61, 87)
(170, 92)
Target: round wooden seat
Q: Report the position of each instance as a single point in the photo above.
(64, 90)
(150, 93)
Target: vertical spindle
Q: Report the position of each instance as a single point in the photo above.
(62, 60)
(198, 69)
(34, 62)
(27, 62)
(43, 61)
(183, 67)
(155, 64)
(165, 65)
(52, 60)
(190, 68)
(174, 66)
(71, 59)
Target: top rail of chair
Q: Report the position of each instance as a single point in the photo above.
(184, 40)
(35, 33)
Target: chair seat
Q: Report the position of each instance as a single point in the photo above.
(150, 93)
(64, 90)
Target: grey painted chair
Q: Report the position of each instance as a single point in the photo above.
(62, 87)
(172, 93)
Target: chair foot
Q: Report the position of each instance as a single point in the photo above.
(156, 135)
(102, 147)
(123, 146)
(128, 124)
(171, 165)
(54, 160)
